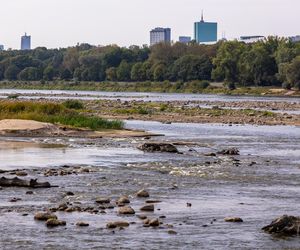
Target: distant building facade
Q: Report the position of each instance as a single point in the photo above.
(295, 39)
(1, 47)
(159, 35)
(205, 32)
(251, 39)
(25, 42)
(185, 39)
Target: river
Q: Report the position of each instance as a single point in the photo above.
(260, 184)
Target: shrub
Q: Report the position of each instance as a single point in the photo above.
(73, 104)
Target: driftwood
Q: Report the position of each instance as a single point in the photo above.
(17, 182)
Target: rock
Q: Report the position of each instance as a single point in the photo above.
(123, 200)
(126, 210)
(229, 151)
(147, 208)
(55, 223)
(69, 193)
(17, 182)
(102, 200)
(62, 207)
(142, 216)
(154, 223)
(210, 154)
(142, 194)
(21, 173)
(158, 147)
(82, 224)
(15, 199)
(188, 204)
(153, 201)
(116, 224)
(44, 216)
(172, 232)
(233, 219)
(29, 192)
(286, 225)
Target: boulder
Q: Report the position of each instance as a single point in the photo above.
(285, 225)
(44, 216)
(116, 224)
(82, 224)
(123, 200)
(126, 210)
(55, 223)
(229, 151)
(148, 208)
(154, 223)
(142, 194)
(158, 147)
(233, 219)
(103, 200)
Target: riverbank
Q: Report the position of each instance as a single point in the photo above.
(154, 87)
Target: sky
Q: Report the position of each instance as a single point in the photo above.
(63, 23)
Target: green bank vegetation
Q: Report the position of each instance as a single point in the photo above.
(272, 62)
(55, 113)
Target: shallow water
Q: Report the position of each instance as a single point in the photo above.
(257, 193)
(95, 95)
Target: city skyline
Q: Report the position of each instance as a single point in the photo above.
(52, 23)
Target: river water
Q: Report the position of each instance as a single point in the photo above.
(260, 184)
(154, 97)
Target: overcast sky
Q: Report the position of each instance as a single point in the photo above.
(62, 23)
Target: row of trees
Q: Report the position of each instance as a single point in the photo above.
(270, 62)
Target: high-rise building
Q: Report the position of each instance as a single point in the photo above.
(205, 32)
(185, 39)
(1, 47)
(295, 39)
(251, 39)
(159, 35)
(25, 42)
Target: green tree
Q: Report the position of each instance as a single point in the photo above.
(49, 73)
(226, 61)
(11, 73)
(159, 72)
(138, 72)
(111, 74)
(293, 73)
(30, 74)
(123, 71)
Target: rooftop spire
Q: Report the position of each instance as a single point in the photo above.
(202, 18)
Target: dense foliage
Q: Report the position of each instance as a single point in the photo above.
(274, 61)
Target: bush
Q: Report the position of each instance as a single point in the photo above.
(204, 84)
(286, 85)
(231, 86)
(73, 104)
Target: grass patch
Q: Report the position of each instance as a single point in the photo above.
(54, 113)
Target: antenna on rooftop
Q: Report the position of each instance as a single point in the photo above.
(202, 18)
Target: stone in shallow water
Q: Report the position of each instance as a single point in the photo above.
(142, 194)
(158, 147)
(126, 210)
(148, 208)
(233, 219)
(55, 223)
(44, 216)
(286, 225)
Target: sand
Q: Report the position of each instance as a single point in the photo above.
(15, 124)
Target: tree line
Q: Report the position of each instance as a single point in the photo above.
(274, 61)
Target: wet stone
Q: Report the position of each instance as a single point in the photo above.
(126, 210)
(103, 200)
(233, 219)
(55, 223)
(44, 216)
(142, 194)
(82, 224)
(147, 208)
